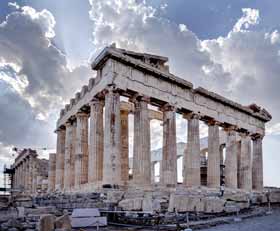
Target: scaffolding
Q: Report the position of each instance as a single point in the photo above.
(8, 174)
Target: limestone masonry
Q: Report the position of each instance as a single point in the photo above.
(83, 164)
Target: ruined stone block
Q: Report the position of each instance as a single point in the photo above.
(131, 204)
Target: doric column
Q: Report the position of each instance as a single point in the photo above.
(213, 164)
(124, 146)
(96, 149)
(231, 159)
(141, 147)
(244, 166)
(15, 178)
(24, 175)
(51, 172)
(153, 180)
(257, 171)
(67, 159)
(112, 139)
(30, 170)
(31, 173)
(81, 149)
(60, 155)
(192, 152)
(72, 154)
(168, 174)
(34, 175)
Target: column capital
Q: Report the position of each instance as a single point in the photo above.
(167, 107)
(244, 134)
(96, 101)
(257, 136)
(68, 124)
(191, 115)
(109, 88)
(230, 128)
(138, 97)
(81, 114)
(212, 122)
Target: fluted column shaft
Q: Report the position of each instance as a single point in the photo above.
(24, 175)
(141, 147)
(112, 139)
(34, 176)
(168, 174)
(81, 149)
(67, 160)
(192, 153)
(60, 155)
(231, 160)
(124, 147)
(257, 171)
(96, 146)
(244, 163)
(51, 172)
(213, 164)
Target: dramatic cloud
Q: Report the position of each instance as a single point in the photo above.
(135, 25)
(35, 80)
(252, 59)
(243, 66)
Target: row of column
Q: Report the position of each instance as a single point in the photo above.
(105, 159)
(25, 175)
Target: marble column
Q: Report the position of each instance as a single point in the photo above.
(60, 155)
(24, 169)
(257, 171)
(30, 170)
(192, 152)
(72, 154)
(124, 146)
(141, 147)
(153, 180)
(231, 159)
(168, 170)
(51, 172)
(244, 163)
(34, 176)
(96, 144)
(112, 139)
(67, 159)
(81, 149)
(213, 163)
(19, 175)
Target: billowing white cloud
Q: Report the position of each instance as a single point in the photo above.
(244, 65)
(35, 80)
(137, 26)
(252, 59)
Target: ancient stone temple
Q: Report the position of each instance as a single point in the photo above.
(92, 130)
(30, 173)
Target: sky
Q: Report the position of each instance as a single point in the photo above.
(46, 46)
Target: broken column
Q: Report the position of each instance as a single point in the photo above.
(141, 146)
(231, 159)
(60, 155)
(168, 170)
(245, 163)
(95, 169)
(112, 139)
(51, 172)
(213, 164)
(257, 171)
(192, 153)
(81, 149)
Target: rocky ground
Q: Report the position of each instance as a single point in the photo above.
(267, 223)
